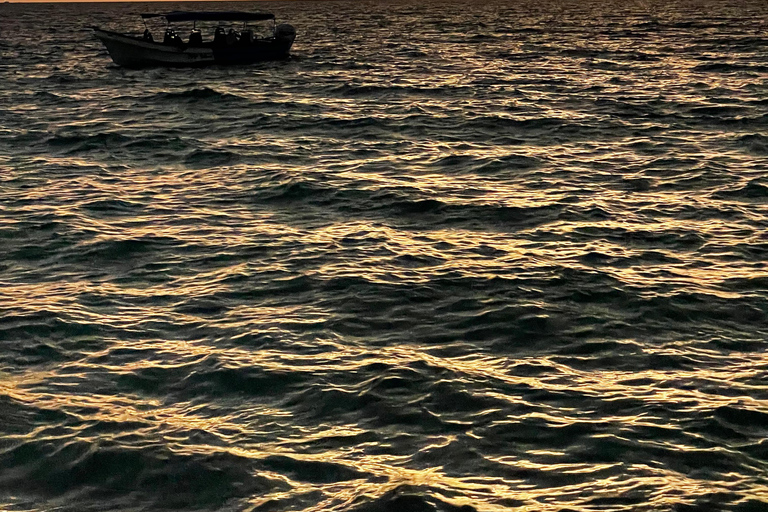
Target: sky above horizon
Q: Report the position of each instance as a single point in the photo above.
(119, 1)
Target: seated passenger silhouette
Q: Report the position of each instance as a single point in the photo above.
(219, 37)
(172, 38)
(148, 35)
(195, 38)
(231, 37)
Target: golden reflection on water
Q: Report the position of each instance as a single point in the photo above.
(568, 176)
(624, 235)
(59, 389)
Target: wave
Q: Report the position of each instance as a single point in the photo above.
(472, 164)
(316, 472)
(755, 143)
(49, 326)
(145, 145)
(125, 250)
(112, 207)
(88, 142)
(113, 473)
(720, 111)
(196, 94)
(408, 254)
(725, 67)
(381, 90)
(411, 499)
(395, 204)
(754, 190)
(209, 158)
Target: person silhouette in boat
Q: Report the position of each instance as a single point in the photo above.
(232, 37)
(195, 38)
(219, 37)
(148, 35)
(172, 38)
(246, 37)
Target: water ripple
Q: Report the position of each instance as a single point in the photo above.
(443, 259)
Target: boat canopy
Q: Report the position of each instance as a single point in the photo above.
(177, 16)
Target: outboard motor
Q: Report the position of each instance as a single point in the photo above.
(285, 32)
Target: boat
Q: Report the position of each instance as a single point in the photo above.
(244, 46)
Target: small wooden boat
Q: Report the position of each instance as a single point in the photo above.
(234, 47)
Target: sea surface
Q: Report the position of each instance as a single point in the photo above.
(451, 256)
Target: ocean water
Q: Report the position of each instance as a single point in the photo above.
(451, 256)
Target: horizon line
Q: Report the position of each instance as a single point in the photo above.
(3, 2)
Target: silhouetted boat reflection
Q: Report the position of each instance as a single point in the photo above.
(233, 47)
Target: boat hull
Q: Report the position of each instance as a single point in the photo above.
(134, 52)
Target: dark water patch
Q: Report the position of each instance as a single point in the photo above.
(202, 307)
(127, 251)
(530, 432)
(740, 42)
(758, 450)
(246, 382)
(637, 184)
(490, 217)
(142, 146)
(157, 143)
(590, 213)
(683, 308)
(152, 381)
(111, 472)
(607, 65)
(755, 190)
(211, 158)
(112, 207)
(197, 94)
(297, 191)
(376, 91)
(488, 165)
(28, 328)
(719, 111)
(474, 129)
(751, 505)
(417, 261)
(754, 143)
(382, 414)
(729, 67)
(87, 142)
(746, 284)
(19, 418)
(47, 95)
(327, 403)
(452, 396)
(397, 205)
(543, 124)
(743, 418)
(597, 258)
(311, 471)
(406, 498)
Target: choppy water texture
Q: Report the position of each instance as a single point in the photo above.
(502, 256)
